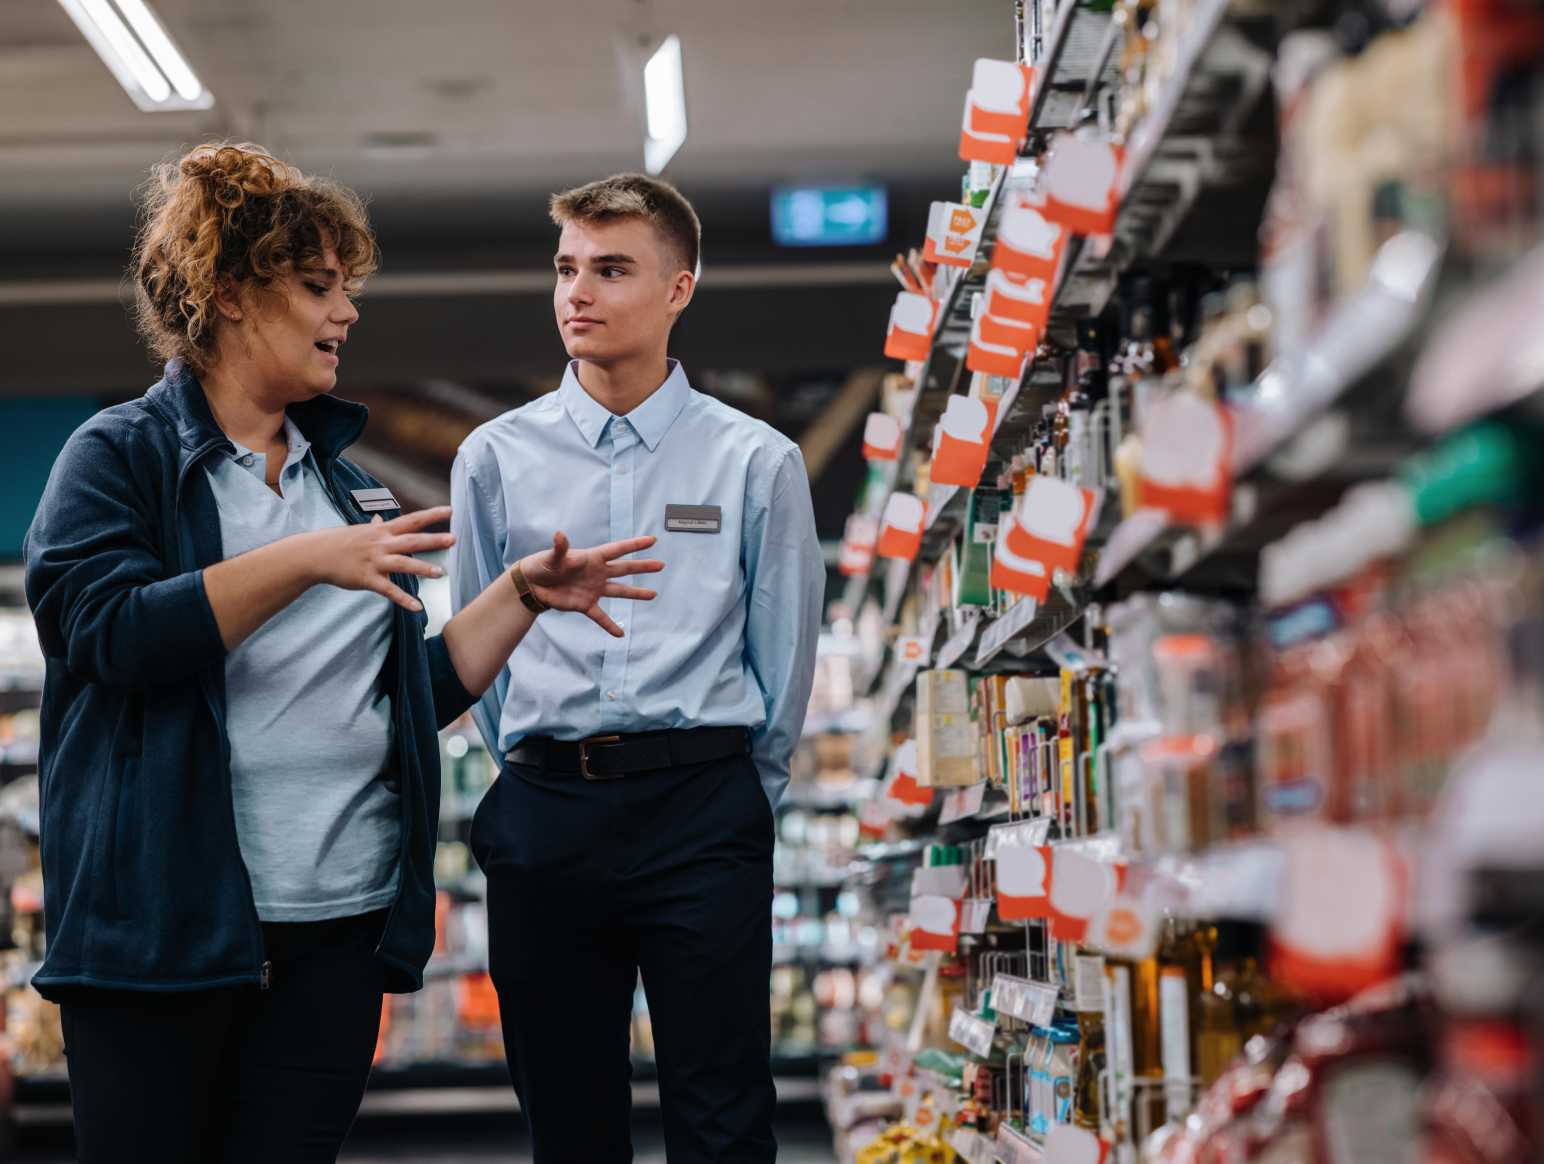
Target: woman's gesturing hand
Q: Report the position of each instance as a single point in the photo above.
(363, 557)
(569, 579)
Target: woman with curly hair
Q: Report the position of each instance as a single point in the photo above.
(239, 764)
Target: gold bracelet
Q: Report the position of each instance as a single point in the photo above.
(523, 588)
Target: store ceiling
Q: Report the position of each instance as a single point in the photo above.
(456, 119)
(488, 98)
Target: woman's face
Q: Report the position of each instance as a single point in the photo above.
(292, 346)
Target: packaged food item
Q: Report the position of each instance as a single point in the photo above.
(946, 739)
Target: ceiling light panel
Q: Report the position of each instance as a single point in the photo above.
(138, 51)
(664, 95)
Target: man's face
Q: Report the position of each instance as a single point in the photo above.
(619, 289)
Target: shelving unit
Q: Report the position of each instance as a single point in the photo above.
(1323, 416)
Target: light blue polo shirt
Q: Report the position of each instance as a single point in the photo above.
(308, 719)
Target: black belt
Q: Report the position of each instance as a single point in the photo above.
(612, 757)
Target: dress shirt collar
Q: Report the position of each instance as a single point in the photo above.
(651, 420)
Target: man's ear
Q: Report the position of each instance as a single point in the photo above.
(682, 288)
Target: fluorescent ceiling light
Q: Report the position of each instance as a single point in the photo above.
(664, 96)
(136, 49)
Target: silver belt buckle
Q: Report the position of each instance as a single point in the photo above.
(584, 758)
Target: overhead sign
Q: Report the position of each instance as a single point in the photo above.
(829, 216)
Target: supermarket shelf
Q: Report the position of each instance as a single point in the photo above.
(20, 755)
(846, 723)
(22, 680)
(1026, 627)
(1015, 1147)
(446, 967)
(817, 958)
(826, 797)
(940, 375)
(1360, 338)
(959, 642)
(895, 693)
(871, 859)
(1189, 144)
(1486, 356)
(944, 368)
(831, 880)
(973, 1147)
(1080, 49)
(1194, 161)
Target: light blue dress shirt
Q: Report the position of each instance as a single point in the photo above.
(308, 718)
(731, 638)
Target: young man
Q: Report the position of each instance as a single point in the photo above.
(631, 827)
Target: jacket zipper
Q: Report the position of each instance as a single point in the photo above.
(357, 516)
(265, 970)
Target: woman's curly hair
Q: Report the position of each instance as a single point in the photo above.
(234, 211)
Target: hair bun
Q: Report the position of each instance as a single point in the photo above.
(233, 172)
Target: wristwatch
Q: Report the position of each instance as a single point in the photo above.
(523, 588)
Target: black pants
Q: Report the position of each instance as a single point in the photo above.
(668, 873)
(234, 1075)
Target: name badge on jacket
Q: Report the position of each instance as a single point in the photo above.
(374, 500)
(708, 519)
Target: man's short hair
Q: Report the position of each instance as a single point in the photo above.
(636, 196)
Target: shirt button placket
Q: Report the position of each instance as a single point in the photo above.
(623, 442)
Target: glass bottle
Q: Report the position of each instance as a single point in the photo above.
(1135, 1048)
(1185, 971)
(1087, 1109)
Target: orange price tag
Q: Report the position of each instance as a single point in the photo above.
(900, 528)
(881, 437)
(1080, 184)
(953, 234)
(961, 442)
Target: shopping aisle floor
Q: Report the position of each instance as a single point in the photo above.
(475, 1140)
(805, 1142)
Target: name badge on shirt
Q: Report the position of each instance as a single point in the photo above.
(374, 500)
(707, 519)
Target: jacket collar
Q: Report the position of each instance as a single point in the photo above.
(330, 425)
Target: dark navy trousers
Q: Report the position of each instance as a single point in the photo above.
(667, 874)
(233, 1076)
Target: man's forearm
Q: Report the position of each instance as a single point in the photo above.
(486, 632)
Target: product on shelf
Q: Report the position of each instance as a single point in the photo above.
(1238, 746)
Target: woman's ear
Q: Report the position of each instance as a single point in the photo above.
(227, 298)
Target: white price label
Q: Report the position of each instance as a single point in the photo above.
(959, 642)
(973, 1033)
(1000, 631)
(974, 915)
(1028, 833)
(938, 881)
(962, 803)
(1031, 1002)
